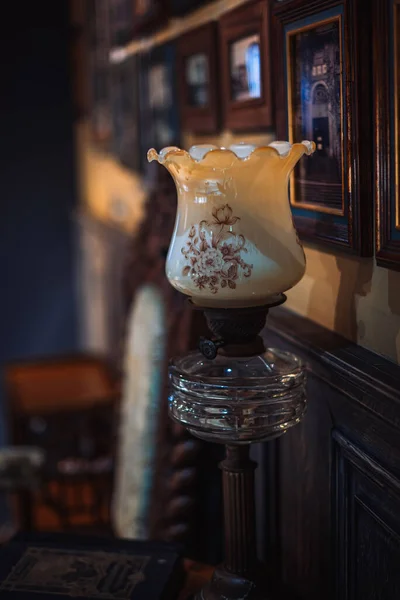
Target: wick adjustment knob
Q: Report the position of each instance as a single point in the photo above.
(209, 348)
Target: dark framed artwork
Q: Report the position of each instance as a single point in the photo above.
(158, 103)
(245, 67)
(148, 15)
(386, 39)
(322, 79)
(125, 112)
(197, 79)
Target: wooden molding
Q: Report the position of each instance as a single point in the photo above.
(334, 480)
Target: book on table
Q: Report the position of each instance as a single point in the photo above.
(57, 566)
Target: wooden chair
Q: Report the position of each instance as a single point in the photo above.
(20, 473)
(66, 406)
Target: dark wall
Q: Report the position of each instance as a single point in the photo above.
(37, 184)
(37, 187)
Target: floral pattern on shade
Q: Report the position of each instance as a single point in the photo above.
(213, 252)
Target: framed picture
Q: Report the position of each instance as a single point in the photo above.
(386, 68)
(158, 103)
(125, 112)
(321, 94)
(149, 15)
(198, 84)
(245, 67)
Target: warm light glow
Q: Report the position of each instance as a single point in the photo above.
(236, 247)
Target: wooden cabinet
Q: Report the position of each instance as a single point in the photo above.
(335, 478)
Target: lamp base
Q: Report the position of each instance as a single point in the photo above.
(237, 392)
(230, 586)
(241, 575)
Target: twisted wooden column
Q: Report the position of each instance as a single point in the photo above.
(180, 500)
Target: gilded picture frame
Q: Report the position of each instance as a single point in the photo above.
(317, 99)
(386, 73)
(320, 180)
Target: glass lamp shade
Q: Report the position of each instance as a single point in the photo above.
(234, 244)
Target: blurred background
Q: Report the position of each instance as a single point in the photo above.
(88, 320)
(86, 311)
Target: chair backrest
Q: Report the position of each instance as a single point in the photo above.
(66, 406)
(144, 372)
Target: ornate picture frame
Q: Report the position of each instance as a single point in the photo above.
(245, 67)
(197, 80)
(324, 96)
(386, 72)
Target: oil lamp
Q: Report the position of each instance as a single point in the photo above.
(234, 252)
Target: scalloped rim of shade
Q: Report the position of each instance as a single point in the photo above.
(169, 151)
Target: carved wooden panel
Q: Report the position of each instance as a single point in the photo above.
(367, 525)
(333, 526)
(304, 500)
